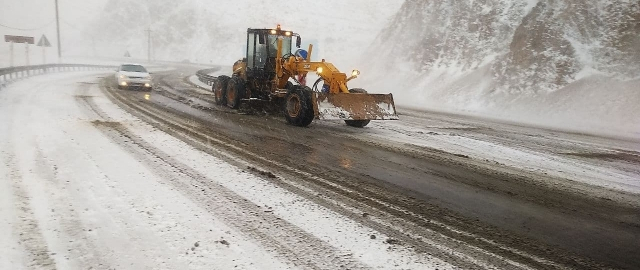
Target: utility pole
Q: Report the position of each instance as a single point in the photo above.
(58, 29)
(148, 44)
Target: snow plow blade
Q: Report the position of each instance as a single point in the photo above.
(354, 106)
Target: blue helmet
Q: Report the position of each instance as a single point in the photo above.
(301, 53)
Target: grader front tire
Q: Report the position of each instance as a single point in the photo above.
(298, 106)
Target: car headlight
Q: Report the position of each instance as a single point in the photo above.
(123, 77)
(148, 77)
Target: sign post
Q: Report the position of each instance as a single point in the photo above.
(19, 39)
(11, 52)
(44, 43)
(26, 54)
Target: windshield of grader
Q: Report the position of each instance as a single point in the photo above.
(273, 45)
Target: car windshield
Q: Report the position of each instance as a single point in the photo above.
(133, 68)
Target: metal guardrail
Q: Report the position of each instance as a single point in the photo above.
(204, 77)
(9, 74)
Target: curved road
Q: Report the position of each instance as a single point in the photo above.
(426, 197)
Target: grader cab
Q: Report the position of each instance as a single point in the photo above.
(272, 72)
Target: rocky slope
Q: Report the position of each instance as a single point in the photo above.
(515, 58)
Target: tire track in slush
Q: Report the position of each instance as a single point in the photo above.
(81, 248)
(26, 228)
(459, 261)
(443, 250)
(275, 234)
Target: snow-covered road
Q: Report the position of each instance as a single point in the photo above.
(86, 185)
(94, 177)
(74, 199)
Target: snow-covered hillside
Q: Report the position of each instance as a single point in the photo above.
(564, 63)
(215, 31)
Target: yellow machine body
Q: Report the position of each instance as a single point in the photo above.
(338, 102)
(335, 102)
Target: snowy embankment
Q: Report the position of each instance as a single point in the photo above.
(570, 65)
(594, 105)
(195, 81)
(85, 184)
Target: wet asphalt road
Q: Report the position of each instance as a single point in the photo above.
(507, 207)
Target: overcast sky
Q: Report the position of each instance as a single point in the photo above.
(348, 30)
(38, 16)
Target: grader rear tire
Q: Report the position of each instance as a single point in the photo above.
(235, 92)
(357, 123)
(220, 90)
(298, 108)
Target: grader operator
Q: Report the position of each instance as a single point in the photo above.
(268, 73)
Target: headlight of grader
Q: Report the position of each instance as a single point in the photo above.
(354, 74)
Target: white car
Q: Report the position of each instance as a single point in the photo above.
(133, 76)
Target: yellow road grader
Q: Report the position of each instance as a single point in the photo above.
(271, 72)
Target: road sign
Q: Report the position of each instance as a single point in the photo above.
(44, 42)
(19, 39)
